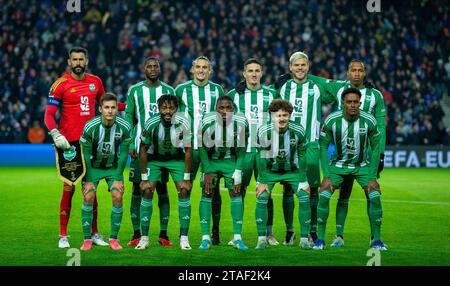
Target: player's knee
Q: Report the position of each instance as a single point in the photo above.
(205, 195)
(89, 198)
(183, 194)
(116, 197)
(147, 194)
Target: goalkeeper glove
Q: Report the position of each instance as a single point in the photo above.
(237, 177)
(59, 139)
(240, 87)
(282, 80)
(381, 164)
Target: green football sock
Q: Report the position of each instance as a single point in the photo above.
(314, 201)
(304, 212)
(375, 213)
(134, 211)
(164, 210)
(184, 211)
(237, 213)
(205, 214)
(261, 214)
(323, 210)
(269, 214)
(341, 214)
(370, 219)
(116, 219)
(86, 219)
(146, 215)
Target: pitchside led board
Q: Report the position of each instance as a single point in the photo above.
(395, 156)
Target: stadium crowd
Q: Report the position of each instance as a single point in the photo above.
(406, 48)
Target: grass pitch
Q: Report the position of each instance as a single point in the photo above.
(416, 225)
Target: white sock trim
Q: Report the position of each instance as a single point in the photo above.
(237, 237)
(207, 237)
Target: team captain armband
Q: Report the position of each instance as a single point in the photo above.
(53, 101)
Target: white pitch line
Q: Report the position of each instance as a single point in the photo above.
(382, 201)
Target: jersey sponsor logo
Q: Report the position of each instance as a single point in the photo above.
(351, 146)
(106, 149)
(298, 107)
(153, 109)
(84, 105)
(202, 107)
(254, 112)
(92, 87)
(293, 141)
(70, 154)
(72, 90)
(282, 156)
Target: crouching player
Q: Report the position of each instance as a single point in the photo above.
(352, 131)
(167, 137)
(105, 142)
(222, 154)
(282, 159)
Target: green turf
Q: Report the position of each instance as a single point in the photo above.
(416, 224)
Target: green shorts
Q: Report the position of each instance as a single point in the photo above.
(135, 172)
(156, 169)
(221, 168)
(250, 167)
(312, 165)
(108, 174)
(291, 178)
(361, 174)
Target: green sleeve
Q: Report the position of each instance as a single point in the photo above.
(380, 116)
(86, 142)
(324, 142)
(123, 157)
(221, 91)
(130, 109)
(374, 137)
(133, 138)
(330, 88)
(301, 150)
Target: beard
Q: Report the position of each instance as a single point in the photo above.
(80, 71)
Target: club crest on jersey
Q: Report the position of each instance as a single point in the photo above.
(70, 153)
(92, 87)
(72, 90)
(293, 141)
(118, 134)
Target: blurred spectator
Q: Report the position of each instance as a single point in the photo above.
(407, 59)
(36, 134)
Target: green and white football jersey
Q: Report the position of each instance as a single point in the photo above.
(195, 101)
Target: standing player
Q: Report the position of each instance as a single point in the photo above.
(167, 137)
(75, 93)
(306, 98)
(352, 132)
(106, 139)
(253, 100)
(281, 159)
(371, 102)
(197, 97)
(141, 105)
(222, 154)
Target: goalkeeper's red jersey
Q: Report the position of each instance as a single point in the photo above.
(76, 98)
